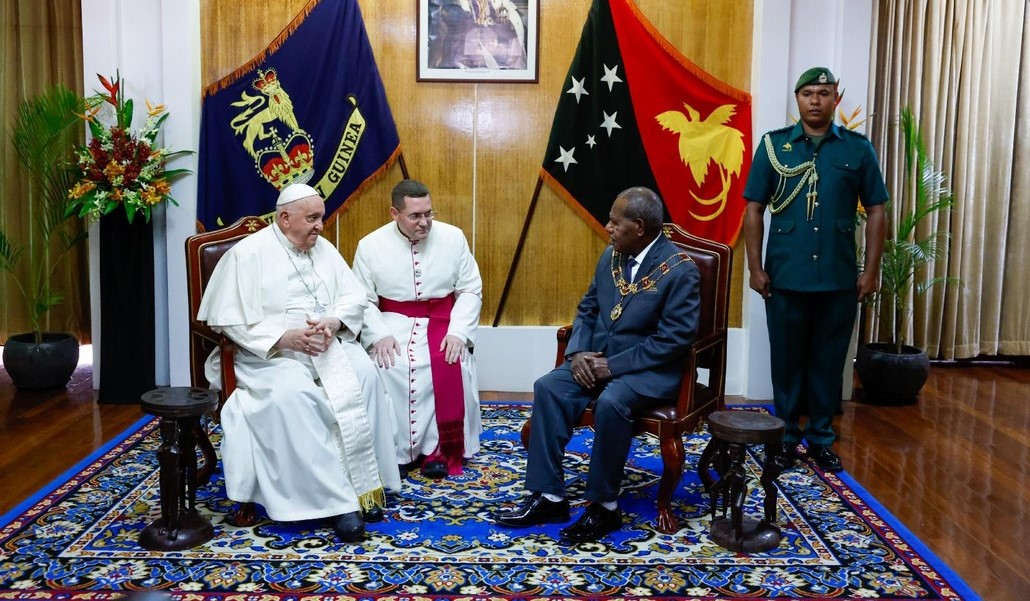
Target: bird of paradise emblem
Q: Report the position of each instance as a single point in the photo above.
(703, 141)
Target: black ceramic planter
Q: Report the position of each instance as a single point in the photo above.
(889, 378)
(48, 364)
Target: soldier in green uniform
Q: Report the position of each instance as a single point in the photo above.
(811, 177)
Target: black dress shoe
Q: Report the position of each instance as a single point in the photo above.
(536, 510)
(781, 456)
(825, 458)
(595, 523)
(349, 527)
(407, 467)
(371, 516)
(434, 470)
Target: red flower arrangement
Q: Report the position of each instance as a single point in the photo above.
(121, 166)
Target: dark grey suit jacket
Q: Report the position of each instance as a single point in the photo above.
(645, 345)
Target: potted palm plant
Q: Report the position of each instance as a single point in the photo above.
(45, 133)
(893, 372)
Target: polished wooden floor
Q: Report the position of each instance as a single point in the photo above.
(953, 468)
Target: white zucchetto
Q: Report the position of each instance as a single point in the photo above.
(295, 192)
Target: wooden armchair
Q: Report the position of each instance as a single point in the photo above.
(203, 251)
(695, 400)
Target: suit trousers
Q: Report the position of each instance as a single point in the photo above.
(809, 334)
(558, 404)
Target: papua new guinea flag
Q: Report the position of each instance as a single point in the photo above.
(309, 109)
(635, 112)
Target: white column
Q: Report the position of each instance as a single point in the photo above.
(155, 46)
(791, 36)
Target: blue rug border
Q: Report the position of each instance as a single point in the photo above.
(917, 544)
(914, 541)
(960, 585)
(68, 474)
(946, 572)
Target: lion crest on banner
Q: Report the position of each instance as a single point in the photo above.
(283, 152)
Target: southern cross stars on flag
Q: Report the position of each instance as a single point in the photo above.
(634, 112)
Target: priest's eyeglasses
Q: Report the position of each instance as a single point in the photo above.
(416, 217)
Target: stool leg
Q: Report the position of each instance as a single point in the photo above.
(737, 488)
(168, 457)
(207, 450)
(713, 458)
(189, 464)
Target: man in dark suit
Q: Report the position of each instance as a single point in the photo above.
(632, 328)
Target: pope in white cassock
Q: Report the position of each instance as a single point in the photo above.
(308, 433)
(425, 295)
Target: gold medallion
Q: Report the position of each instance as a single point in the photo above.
(616, 311)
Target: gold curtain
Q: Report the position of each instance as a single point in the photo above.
(40, 44)
(964, 68)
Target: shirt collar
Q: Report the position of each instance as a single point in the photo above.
(798, 131)
(639, 257)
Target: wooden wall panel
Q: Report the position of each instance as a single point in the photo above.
(479, 146)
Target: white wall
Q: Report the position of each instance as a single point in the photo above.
(155, 44)
(791, 36)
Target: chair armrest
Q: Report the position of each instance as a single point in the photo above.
(201, 329)
(685, 401)
(564, 334)
(710, 341)
(226, 350)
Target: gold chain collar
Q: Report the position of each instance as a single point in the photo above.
(645, 283)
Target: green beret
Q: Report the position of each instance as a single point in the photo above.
(815, 75)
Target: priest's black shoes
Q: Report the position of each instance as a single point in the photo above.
(349, 527)
(535, 510)
(434, 470)
(825, 458)
(595, 523)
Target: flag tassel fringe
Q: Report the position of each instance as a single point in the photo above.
(247, 67)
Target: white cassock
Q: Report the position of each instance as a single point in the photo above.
(393, 267)
(304, 437)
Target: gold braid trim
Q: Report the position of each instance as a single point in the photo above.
(808, 176)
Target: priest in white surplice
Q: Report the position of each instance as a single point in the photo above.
(425, 295)
(309, 430)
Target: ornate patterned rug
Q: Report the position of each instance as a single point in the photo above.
(79, 540)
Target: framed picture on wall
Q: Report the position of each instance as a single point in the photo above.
(478, 40)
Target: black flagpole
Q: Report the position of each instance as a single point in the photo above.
(404, 166)
(518, 251)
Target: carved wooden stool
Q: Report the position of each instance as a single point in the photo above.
(731, 432)
(180, 525)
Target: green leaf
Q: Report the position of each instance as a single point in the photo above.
(127, 113)
(916, 237)
(169, 174)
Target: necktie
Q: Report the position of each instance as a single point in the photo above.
(631, 267)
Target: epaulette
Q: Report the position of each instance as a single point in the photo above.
(845, 132)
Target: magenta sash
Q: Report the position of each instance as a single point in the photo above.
(448, 391)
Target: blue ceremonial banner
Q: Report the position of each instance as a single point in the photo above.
(310, 109)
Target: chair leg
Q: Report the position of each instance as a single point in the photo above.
(525, 434)
(673, 456)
